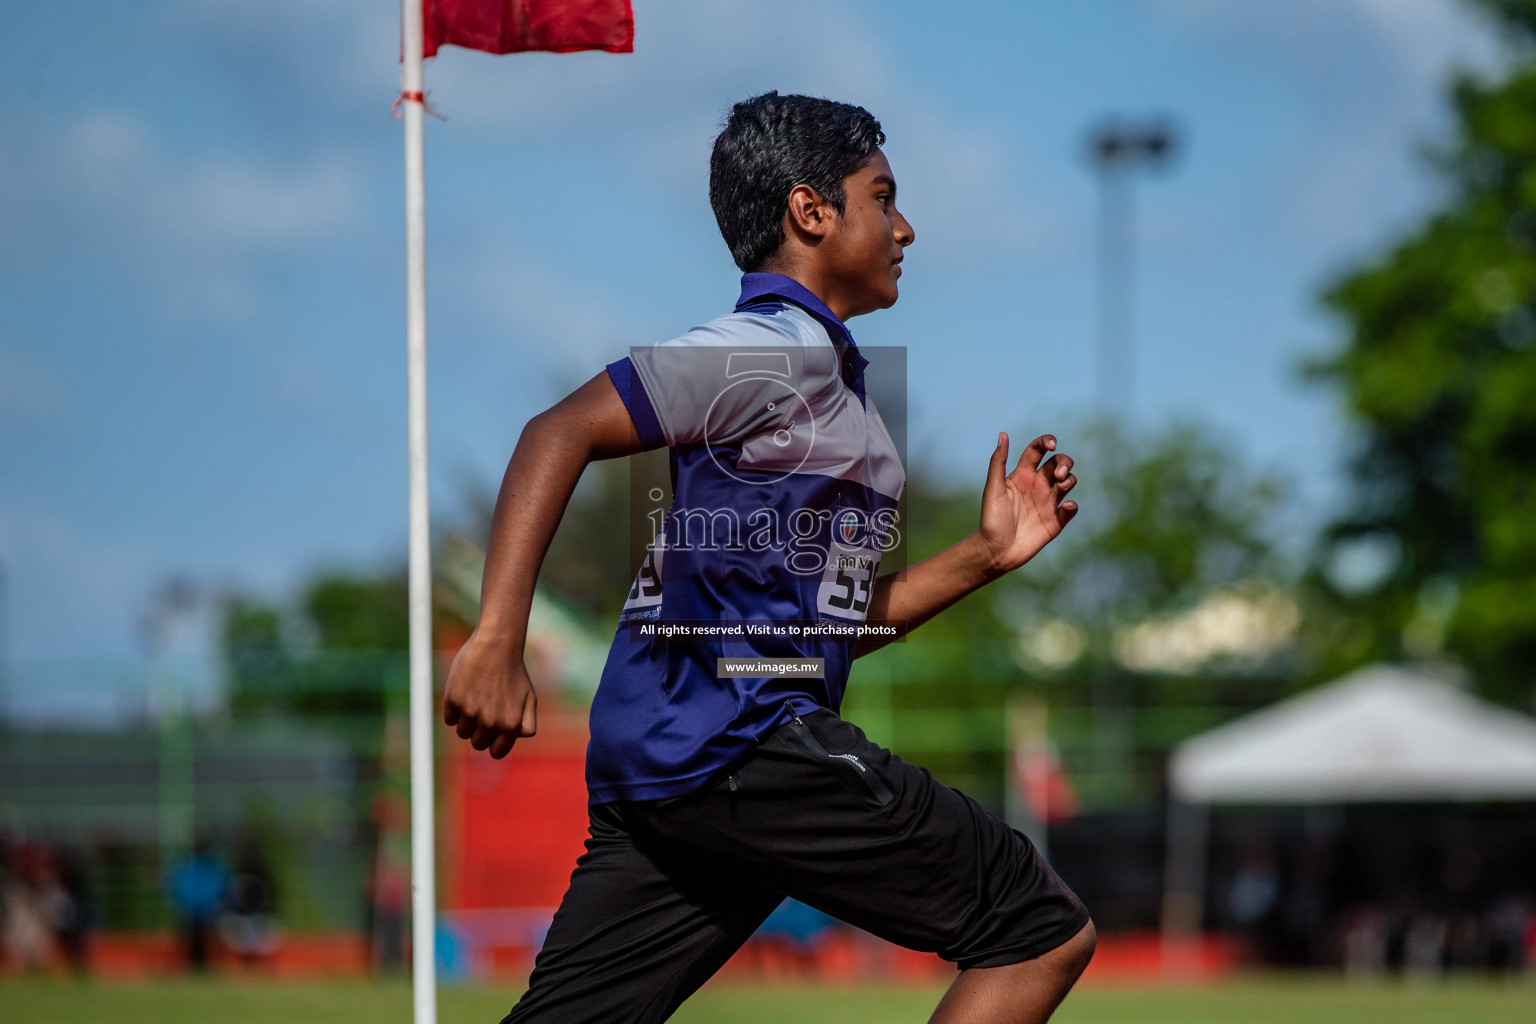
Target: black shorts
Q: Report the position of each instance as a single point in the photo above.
(668, 889)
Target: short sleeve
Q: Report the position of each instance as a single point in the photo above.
(730, 379)
(622, 373)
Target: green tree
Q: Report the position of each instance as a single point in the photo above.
(1439, 375)
(338, 650)
(1173, 519)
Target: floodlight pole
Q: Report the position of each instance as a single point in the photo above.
(423, 866)
(1114, 371)
(1117, 150)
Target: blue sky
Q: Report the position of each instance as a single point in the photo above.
(202, 353)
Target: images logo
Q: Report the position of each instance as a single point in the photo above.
(759, 389)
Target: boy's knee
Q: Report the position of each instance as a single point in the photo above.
(1067, 962)
(1078, 951)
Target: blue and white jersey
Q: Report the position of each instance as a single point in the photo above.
(785, 490)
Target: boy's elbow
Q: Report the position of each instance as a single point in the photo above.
(555, 429)
(538, 424)
(591, 423)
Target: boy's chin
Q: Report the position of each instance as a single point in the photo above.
(877, 298)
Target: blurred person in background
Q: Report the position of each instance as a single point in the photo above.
(1365, 942)
(389, 885)
(1303, 910)
(1464, 944)
(27, 938)
(1254, 895)
(1509, 924)
(389, 900)
(1424, 945)
(250, 927)
(197, 885)
(67, 902)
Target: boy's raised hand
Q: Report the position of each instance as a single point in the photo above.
(489, 699)
(1023, 511)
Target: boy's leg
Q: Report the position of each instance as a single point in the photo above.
(639, 929)
(821, 814)
(1023, 993)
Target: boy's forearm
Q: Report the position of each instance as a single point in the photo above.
(911, 597)
(541, 475)
(1021, 512)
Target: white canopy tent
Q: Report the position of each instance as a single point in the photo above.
(1382, 733)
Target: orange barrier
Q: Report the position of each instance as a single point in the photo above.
(843, 955)
(131, 955)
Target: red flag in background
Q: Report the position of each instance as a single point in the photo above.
(513, 26)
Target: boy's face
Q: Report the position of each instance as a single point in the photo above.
(863, 249)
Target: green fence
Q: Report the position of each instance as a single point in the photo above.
(290, 757)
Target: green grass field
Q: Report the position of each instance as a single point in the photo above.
(1289, 1000)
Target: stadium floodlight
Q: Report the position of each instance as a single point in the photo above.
(1117, 149)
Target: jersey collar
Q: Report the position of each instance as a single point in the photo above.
(756, 287)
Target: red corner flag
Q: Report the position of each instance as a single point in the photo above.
(512, 26)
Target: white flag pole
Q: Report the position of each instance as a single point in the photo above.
(423, 868)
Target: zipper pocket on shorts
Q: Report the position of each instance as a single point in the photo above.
(867, 775)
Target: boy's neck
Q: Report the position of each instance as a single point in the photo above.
(811, 281)
(755, 284)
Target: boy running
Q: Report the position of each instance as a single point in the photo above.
(714, 796)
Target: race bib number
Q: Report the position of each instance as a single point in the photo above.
(848, 582)
(644, 601)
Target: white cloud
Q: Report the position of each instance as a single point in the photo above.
(687, 54)
(1424, 37)
(52, 565)
(1363, 83)
(532, 299)
(192, 228)
(236, 203)
(107, 165)
(693, 58)
(104, 144)
(1431, 36)
(361, 38)
(29, 391)
(661, 105)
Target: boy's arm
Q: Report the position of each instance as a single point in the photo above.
(1021, 513)
(488, 697)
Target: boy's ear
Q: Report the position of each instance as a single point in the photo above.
(808, 212)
